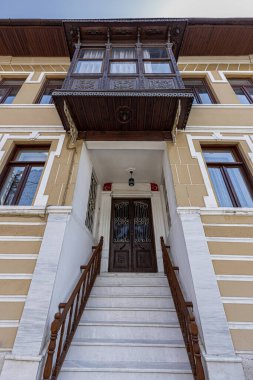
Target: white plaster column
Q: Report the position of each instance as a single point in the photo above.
(104, 227)
(220, 359)
(158, 224)
(25, 360)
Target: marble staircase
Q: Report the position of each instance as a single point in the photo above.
(129, 331)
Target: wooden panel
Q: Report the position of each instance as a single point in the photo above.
(217, 40)
(33, 41)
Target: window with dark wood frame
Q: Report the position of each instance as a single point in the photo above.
(230, 177)
(20, 178)
(45, 96)
(200, 89)
(243, 89)
(9, 89)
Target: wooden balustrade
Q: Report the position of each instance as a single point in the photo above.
(67, 319)
(185, 315)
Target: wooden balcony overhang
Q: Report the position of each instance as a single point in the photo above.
(124, 115)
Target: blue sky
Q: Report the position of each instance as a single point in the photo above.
(124, 8)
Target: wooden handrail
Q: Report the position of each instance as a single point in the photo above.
(67, 319)
(186, 317)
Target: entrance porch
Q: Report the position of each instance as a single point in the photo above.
(130, 218)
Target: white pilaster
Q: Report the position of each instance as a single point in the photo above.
(158, 223)
(24, 362)
(104, 227)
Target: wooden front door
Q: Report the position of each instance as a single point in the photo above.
(132, 237)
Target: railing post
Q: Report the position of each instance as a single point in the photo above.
(196, 350)
(186, 318)
(52, 344)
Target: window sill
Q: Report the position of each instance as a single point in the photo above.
(216, 210)
(218, 105)
(34, 210)
(27, 105)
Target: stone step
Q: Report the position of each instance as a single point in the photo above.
(134, 301)
(131, 280)
(138, 315)
(126, 330)
(141, 290)
(127, 351)
(79, 370)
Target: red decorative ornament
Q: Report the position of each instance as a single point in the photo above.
(154, 187)
(107, 186)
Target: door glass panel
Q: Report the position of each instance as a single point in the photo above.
(30, 188)
(12, 181)
(142, 228)
(121, 230)
(220, 187)
(242, 191)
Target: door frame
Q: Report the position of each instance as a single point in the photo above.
(140, 190)
(154, 256)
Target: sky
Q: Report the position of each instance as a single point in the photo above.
(124, 8)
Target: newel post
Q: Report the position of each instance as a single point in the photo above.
(55, 326)
(196, 350)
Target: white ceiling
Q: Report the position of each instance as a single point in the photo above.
(110, 165)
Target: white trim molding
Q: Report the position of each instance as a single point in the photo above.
(231, 258)
(240, 325)
(41, 199)
(237, 300)
(210, 199)
(222, 73)
(234, 277)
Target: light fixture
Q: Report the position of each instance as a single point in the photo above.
(131, 179)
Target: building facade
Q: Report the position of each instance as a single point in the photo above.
(168, 103)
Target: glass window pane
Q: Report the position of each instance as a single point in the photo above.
(10, 186)
(9, 99)
(46, 99)
(240, 82)
(123, 53)
(193, 82)
(123, 68)
(250, 91)
(242, 190)
(2, 93)
(219, 156)
(92, 53)
(220, 187)
(157, 67)
(31, 155)
(88, 67)
(204, 96)
(241, 96)
(155, 52)
(30, 188)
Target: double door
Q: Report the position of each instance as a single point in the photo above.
(132, 247)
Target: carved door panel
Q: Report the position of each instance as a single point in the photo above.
(132, 237)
